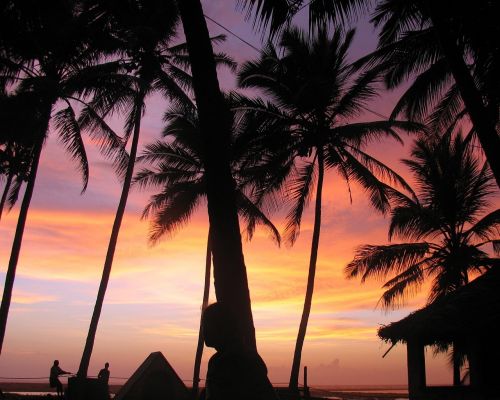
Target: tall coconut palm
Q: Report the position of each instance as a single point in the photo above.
(142, 32)
(458, 30)
(231, 284)
(449, 51)
(315, 98)
(445, 227)
(178, 170)
(148, 63)
(42, 48)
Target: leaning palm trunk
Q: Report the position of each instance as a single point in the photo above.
(481, 118)
(230, 277)
(108, 263)
(18, 237)
(6, 190)
(297, 355)
(204, 304)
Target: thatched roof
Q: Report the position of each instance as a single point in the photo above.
(155, 378)
(471, 311)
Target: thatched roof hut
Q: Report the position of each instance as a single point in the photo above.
(154, 379)
(469, 311)
(469, 316)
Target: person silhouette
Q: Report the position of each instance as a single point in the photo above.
(54, 381)
(235, 371)
(103, 376)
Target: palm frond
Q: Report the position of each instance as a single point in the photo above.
(402, 286)
(71, 136)
(487, 226)
(412, 222)
(449, 109)
(360, 133)
(496, 247)
(424, 92)
(253, 215)
(356, 97)
(172, 208)
(300, 188)
(13, 194)
(381, 170)
(277, 14)
(378, 261)
(109, 143)
(378, 192)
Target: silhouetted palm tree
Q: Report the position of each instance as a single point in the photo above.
(43, 47)
(315, 96)
(445, 225)
(140, 34)
(15, 163)
(444, 222)
(17, 128)
(231, 284)
(177, 168)
(450, 50)
(460, 30)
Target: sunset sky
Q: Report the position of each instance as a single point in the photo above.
(154, 296)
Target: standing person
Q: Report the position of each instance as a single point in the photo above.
(103, 376)
(54, 381)
(235, 371)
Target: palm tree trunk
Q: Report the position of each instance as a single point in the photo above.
(6, 192)
(481, 119)
(18, 236)
(230, 277)
(204, 304)
(108, 263)
(294, 375)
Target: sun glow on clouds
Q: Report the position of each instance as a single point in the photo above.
(22, 297)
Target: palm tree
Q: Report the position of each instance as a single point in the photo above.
(445, 227)
(452, 50)
(141, 35)
(231, 284)
(462, 30)
(15, 164)
(16, 136)
(177, 168)
(315, 96)
(42, 49)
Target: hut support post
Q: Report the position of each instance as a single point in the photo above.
(416, 370)
(306, 386)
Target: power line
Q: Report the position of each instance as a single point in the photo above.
(376, 113)
(232, 33)
(259, 50)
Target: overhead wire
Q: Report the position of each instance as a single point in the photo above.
(259, 50)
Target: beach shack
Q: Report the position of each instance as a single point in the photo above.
(469, 316)
(155, 379)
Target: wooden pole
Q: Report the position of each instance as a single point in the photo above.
(306, 388)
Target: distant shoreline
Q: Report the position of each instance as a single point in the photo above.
(344, 392)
